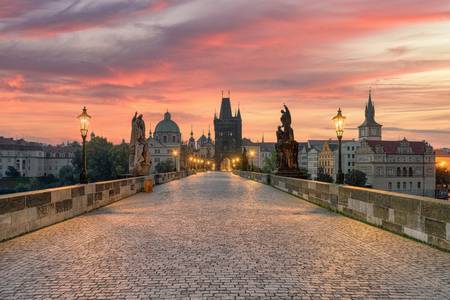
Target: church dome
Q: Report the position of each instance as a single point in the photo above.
(202, 140)
(167, 125)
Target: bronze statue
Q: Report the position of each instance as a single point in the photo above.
(139, 158)
(286, 147)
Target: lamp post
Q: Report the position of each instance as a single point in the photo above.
(84, 127)
(190, 162)
(175, 157)
(252, 155)
(339, 120)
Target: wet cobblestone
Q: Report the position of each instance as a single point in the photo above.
(216, 235)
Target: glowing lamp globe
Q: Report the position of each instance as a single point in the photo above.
(339, 121)
(84, 122)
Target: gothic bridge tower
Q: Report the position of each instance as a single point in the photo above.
(228, 133)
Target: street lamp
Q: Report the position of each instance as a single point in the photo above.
(190, 162)
(339, 120)
(84, 127)
(175, 154)
(252, 155)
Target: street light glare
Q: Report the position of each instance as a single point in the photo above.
(84, 122)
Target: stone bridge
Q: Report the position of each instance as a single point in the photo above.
(216, 235)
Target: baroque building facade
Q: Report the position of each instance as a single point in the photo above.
(228, 135)
(324, 154)
(165, 143)
(258, 152)
(33, 159)
(401, 166)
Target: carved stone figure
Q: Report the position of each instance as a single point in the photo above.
(286, 147)
(139, 159)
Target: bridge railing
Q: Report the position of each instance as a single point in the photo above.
(421, 218)
(28, 211)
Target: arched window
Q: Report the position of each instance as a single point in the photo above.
(410, 172)
(399, 171)
(405, 172)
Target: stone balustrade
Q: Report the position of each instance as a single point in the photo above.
(424, 219)
(28, 211)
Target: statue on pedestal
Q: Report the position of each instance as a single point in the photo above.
(287, 148)
(139, 159)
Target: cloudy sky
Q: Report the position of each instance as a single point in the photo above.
(118, 56)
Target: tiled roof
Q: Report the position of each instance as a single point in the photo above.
(390, 147)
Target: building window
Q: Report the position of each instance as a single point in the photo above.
(390, 186)
(405, 172)
(419, 185)
(410, 185)
(404, 185)
(398, 185)
(410, 172)
(399, 172)
(164, 138)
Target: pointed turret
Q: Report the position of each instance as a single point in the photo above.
(225, 110)
(370, 129)
(191, 142)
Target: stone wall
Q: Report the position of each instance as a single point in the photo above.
(25, 212)
(421, 218)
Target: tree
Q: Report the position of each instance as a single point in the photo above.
(67, 175)
(100, 164)
(442, 176)
(165, 166)
(270, 163)
(119, 157)
(324, 177)
(355, 178)
(12, 172)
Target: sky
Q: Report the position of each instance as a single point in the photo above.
(116, 57)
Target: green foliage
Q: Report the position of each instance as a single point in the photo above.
(12, 172)
(165, 167)
(324, 177)
(105, 161)
(442, 176)
(355, 178)
(99, 160)
(119, 156)
(270, 163)
(67, 175)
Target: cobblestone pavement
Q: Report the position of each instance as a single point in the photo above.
(216, 235)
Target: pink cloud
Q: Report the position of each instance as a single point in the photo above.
(273, 54)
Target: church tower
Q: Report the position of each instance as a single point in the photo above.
(370, 130)
(228, 132)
